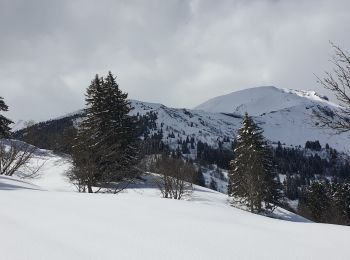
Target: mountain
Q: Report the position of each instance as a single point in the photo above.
(178, 124)
(261, 100)
(172, 125)
(285, 115)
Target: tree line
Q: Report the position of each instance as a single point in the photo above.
(325, 201)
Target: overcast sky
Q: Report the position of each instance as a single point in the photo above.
(179, 53)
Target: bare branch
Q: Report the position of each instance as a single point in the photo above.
(175, 177)
(338, 82)
(16, 156)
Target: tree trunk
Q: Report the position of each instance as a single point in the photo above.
(89, 188)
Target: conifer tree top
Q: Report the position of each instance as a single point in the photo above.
(4, 122)
(3, 106)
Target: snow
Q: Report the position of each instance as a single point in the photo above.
(259, 100)
(204, 126)
(44, 218)
(20, 124)
(285, 115)
(52, 176)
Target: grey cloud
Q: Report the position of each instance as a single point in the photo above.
(179, 53)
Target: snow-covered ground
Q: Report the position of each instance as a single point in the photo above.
(43, 218)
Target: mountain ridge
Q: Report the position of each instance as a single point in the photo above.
(258, 100)
(285, 116)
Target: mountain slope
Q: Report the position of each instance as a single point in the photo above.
(260, 100)
(285, 116)
(178, 124)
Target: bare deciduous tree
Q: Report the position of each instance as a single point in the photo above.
(15, 156)
(176, 176)
(337, 81)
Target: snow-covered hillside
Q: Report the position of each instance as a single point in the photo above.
(40, 220)
(285, 115)
(260, 100)
(178, 124)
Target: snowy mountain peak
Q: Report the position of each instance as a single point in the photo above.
(310, 94)
(260, 100)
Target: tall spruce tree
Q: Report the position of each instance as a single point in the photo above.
(86, 152)
(119, 137)
(107, 136)
(4, 122)
(252, 178)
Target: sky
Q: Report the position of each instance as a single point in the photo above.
(176, 52)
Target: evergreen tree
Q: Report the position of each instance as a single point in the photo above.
(252, 178)
(199, 178)
(119, 133)
(85, 172)
(213, 185)
(4, 122)
(184, 148)
(291, 187)
(107, 135)
(272, 187)
(279, 150)
(341, 199)
(316, 201)
(326, 202)
(87, 153)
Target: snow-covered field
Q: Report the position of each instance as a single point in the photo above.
(44, 218)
